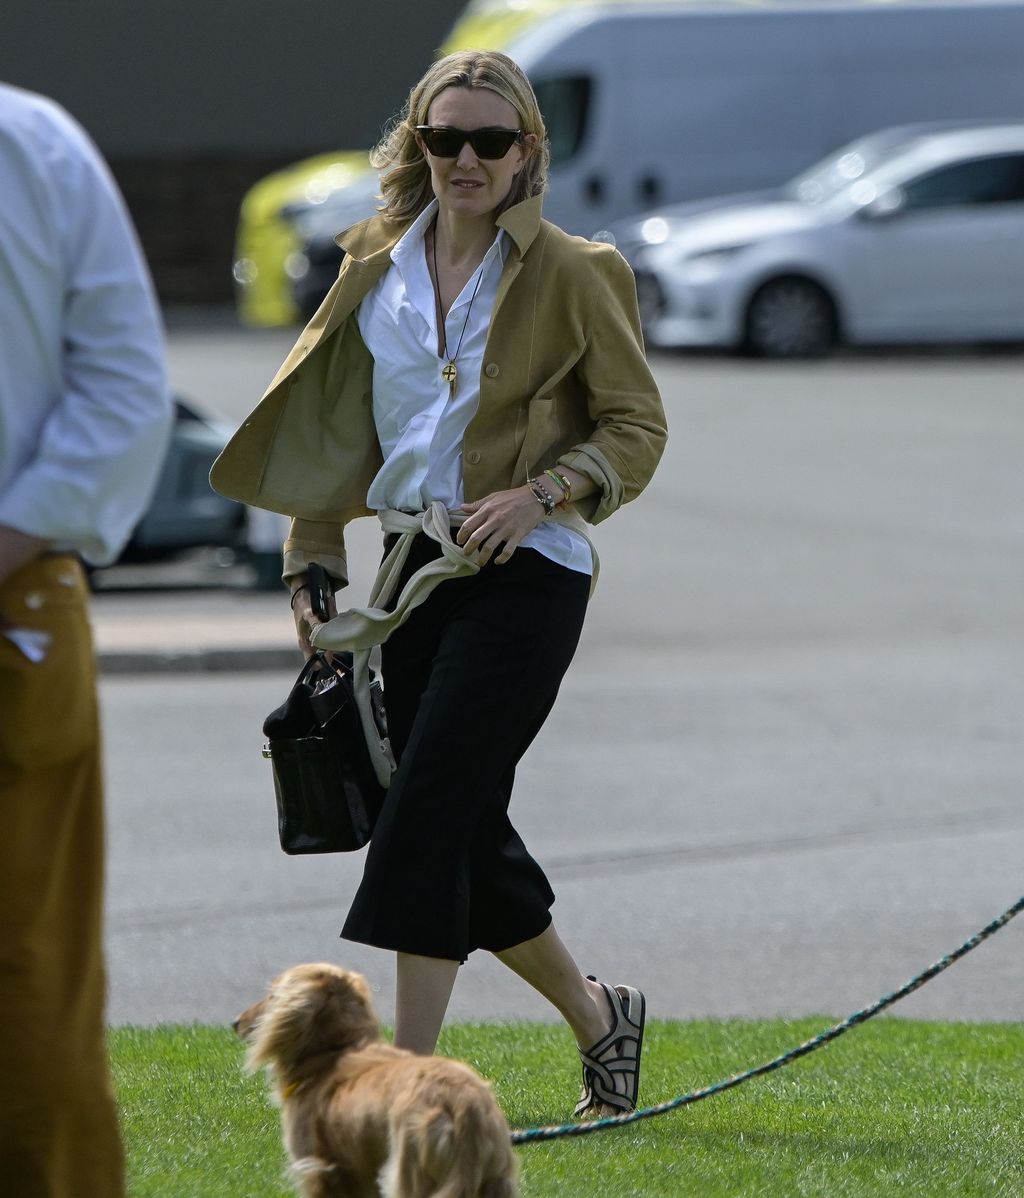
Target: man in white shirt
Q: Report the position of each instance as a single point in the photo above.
(84, 416)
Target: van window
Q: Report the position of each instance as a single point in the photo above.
(995, 180)
(565, 105)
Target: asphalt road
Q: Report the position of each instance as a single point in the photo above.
(785, 771)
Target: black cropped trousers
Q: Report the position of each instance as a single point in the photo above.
(469, 679)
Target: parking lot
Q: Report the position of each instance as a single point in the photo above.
(787, 758)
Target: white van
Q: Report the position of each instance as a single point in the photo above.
(647, 104)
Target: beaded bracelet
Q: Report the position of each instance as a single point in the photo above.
(542, 495)
(563, 485)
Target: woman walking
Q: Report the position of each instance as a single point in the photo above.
(476, 378)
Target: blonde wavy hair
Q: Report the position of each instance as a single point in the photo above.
(405, 174)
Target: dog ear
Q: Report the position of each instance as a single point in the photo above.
(285, 1025)
(312, 1009)
(359, 986)
(348, 1018)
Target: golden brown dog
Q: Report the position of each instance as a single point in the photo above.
(362, 1118)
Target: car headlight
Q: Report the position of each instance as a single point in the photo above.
(655, 230)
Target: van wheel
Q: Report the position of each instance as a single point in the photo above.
(790, 318)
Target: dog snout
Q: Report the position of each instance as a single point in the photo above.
(244, 1024)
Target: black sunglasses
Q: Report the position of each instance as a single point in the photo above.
(445, 142)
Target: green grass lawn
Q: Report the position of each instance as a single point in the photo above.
(931, 1110)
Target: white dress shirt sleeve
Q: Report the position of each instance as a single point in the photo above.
(95, 416)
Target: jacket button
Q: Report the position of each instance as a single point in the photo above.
(492, 370)
(473, 457)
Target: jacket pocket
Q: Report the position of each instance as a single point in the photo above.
(553, 426)
(545, 390)
(549, 422)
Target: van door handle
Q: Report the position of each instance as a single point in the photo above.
(593, 189)
(649, 188)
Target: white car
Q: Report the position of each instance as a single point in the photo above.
(912, 234)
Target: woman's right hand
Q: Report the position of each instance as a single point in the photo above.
(305, 620)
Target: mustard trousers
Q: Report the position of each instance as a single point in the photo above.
(58, 1122)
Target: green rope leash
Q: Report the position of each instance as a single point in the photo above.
(533, 1135)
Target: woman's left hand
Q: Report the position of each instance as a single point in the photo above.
(497, 523)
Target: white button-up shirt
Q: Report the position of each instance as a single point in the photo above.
(84, 403)
(420, 425)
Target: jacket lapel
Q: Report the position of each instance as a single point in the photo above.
(358, 280)
(521, 223)
(368, 247)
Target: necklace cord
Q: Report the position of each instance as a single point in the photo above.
(440, 307)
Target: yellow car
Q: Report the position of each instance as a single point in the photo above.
(269, 263)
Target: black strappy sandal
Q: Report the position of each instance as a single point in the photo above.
(611, 1068)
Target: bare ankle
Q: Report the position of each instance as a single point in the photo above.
(598, 1020)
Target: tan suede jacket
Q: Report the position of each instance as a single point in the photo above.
(564, 381)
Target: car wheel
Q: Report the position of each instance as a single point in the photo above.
(790, 318)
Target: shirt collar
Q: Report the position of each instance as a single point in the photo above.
(369, 237)
(411, 241)
(407, 253)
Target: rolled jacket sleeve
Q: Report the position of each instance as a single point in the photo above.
(88, 474)
(630, 428)
(316, 541)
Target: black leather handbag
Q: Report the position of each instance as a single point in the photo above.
(328, 795)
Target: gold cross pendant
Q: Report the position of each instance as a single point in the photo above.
(450, 374)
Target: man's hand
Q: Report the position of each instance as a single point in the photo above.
(16, 550)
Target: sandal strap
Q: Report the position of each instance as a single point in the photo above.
(623, 1028)
(594, 1092)
(625, 1063)
(599, 1074)
(587, 1098)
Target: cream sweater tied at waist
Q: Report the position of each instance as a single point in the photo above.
(361, 628)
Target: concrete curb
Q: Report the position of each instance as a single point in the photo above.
(197, 661)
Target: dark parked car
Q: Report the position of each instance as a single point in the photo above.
(185, 511)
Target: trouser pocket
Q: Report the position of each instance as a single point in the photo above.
(48, 706)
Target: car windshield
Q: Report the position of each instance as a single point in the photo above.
(826, 179)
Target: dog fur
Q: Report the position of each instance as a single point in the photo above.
(362, 1118)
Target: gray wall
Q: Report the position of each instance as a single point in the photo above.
(195, 100)
(262, 76)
